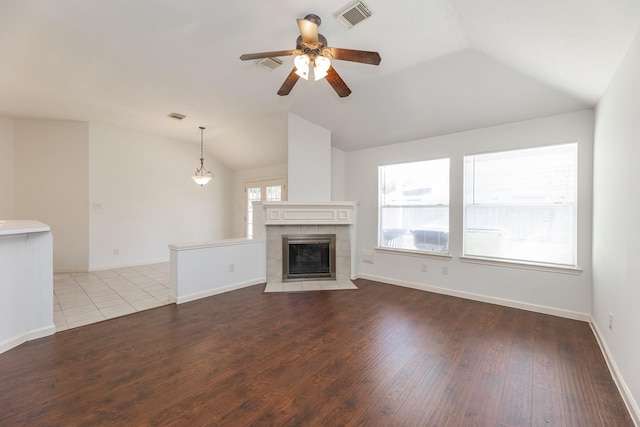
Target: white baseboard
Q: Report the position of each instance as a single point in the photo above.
(632, 405)
(107, 267)
(482, 298)
(69, 270)
(27, 336)
(216, 291)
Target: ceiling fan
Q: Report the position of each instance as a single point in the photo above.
(311, 49)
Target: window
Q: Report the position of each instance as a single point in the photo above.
(272, 190)
(414, 206)
(521, 205)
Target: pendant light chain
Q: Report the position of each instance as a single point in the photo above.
(201, 145)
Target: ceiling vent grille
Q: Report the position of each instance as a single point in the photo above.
(270, 63)
(353, 14)
(176, 116)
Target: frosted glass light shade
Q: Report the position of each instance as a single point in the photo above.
(321, 67)
(201, 179)
(301, 63)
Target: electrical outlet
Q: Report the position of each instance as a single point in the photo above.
(116, 251)
(367, 256)
(232, 267)
(424, 268)
(610, 321)
(445, 270)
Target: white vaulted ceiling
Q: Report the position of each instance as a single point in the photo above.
(447, 66)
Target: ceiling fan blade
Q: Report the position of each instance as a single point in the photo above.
(308, 31)
(362, 56)
(261, 55)
(289, 82)
(337, 83)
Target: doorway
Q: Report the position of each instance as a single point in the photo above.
(270, 190)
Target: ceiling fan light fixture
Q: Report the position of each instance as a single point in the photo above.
(321, 67)
(301, 63)
(313, 46)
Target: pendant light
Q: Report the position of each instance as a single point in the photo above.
(202, 175)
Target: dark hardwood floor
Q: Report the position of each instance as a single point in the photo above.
(380, 355)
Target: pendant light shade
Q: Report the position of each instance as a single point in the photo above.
(202, 175)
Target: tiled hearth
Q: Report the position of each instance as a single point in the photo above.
(325, 285)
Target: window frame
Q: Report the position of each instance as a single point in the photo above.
(519, 262)
(380, 207)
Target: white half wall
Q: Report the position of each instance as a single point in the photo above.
(26, 283)
(563, 294)
(309, 161)
(6, 169)
(616, 235)
(200, 270)
(51, 185)
(143, 197)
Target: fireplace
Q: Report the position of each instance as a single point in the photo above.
(308, 257)
(278, 219)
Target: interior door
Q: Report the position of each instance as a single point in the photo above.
(272, 190)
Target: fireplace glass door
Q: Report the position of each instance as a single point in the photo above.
(308, 257)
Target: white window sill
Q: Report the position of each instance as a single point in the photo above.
(415, 253)
(523, 265)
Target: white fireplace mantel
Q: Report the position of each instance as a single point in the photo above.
(274, 219)
(294, 213)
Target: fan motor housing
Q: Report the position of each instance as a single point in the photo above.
(308, 48)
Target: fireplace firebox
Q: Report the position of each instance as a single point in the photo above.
(308, 257)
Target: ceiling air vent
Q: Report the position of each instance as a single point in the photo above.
(176, 116)
(270, 63)
(352, 14)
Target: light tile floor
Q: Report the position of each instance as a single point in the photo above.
(83, 298)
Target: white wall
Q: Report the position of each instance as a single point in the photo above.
(309, 161)
(102, 188)
(558, 293)
(238, 204)
(616, 236)
(6, 169)
(143, 197)
(51, 168)
(338, 177)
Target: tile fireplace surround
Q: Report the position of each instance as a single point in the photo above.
(279, 218)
